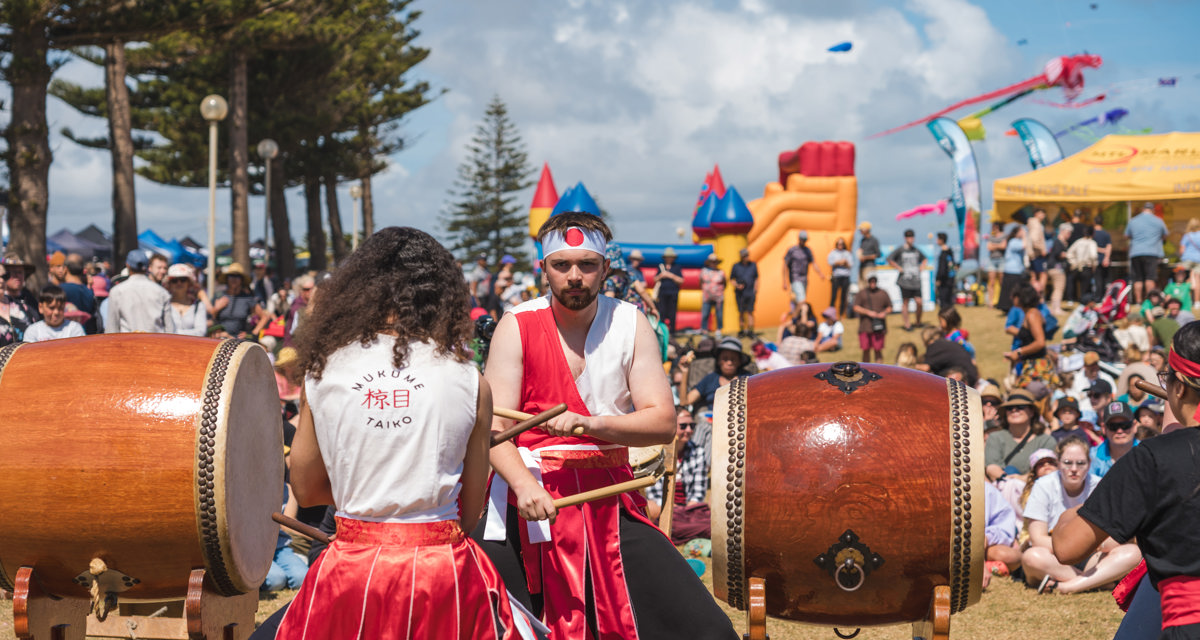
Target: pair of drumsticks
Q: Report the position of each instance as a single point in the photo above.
(527, 422)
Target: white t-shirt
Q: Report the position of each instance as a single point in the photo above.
(825, 330)
(1048, 500)
(393, 439)
(41, 332)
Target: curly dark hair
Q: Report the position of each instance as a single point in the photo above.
(401, 281)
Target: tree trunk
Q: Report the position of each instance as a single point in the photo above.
(335, 219)
(120, 135)
(239, 159)
(29, 155)
(285, 252)
(316, 234)
(368, 208)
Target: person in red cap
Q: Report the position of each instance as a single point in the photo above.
(1150, 496)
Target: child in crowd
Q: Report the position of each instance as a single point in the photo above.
(52, 304)
(906, 355)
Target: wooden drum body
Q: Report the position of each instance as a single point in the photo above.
(852, 490)
(157, 454)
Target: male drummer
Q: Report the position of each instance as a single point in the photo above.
(599, 569)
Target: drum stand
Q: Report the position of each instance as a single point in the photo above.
(207, 615)
(935, 626)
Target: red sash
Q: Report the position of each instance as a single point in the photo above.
(1180, 601)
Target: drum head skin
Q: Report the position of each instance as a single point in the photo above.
(888, 475)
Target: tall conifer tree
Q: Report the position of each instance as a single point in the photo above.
(485, 216)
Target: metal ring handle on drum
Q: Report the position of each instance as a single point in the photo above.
(846, 636)
(847, 566)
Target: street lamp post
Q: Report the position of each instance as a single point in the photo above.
(213, 108)
(267, 149)
(355, 194)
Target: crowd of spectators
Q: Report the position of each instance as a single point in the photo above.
(1067, 408)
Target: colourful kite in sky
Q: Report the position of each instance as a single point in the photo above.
(1065, 72)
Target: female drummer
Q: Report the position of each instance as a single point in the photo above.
(394, 431)
(1151, 495)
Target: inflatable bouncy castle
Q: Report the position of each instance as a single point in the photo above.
(817, 192)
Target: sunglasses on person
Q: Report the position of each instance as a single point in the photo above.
(686, 425)
(176, 280)
(1121, 425)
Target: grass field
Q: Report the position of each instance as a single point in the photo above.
(1007, 611)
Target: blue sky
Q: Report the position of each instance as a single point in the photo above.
(639, 100)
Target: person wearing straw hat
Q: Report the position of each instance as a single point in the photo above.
(237, 305)
(1007, 450)
(712, 293)
(868, 252)
(15, 313)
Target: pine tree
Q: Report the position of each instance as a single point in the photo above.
(486, 216)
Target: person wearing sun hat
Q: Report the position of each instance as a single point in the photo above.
(732, 360)
(1007, 450)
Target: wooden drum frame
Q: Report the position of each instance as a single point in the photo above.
(855, 491)
(156, 454)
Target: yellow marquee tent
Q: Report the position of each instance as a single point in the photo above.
(1163, 169)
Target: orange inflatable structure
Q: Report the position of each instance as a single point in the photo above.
(818, 193)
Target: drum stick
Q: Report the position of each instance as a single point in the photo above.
(526, 423)
(1151, 388)
(605, 492)
(301, 528)
(513, 414)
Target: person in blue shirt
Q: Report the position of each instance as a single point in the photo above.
(1146, 233)
(1119, 438)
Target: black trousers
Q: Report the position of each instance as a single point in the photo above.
(945, 293)
(1008, 284)
(667, 304)
(841, 289)
(669, 601)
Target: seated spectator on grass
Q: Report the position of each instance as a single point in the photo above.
(829, 332)
(731, 362)
(1119, 439)
(1127, 389)
(1066, 423)
(1007, 451)
(906, 355)
(951, 325)
(766, 358)
(1088, 375)
(1052, 495)
(52, 304)
(690, 514)
(1098, 395)
(1000, 532)
(1148, 421)
(1179, 287)
(1131, 331)
(990, 399)
(801, 322)
(942, 356)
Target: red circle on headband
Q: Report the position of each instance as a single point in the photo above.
(574, 237)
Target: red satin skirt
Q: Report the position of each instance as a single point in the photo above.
(387, 581)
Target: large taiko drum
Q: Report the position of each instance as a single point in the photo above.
(157, 454)
(852, 490)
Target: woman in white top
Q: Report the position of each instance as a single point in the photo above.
(1052, 495)
(191, 319)
(394, 432)
(839, 263)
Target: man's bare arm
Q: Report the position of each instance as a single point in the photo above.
(504, 373)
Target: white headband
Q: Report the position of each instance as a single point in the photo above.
(573, 238)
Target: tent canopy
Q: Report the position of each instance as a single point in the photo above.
(1118, 168)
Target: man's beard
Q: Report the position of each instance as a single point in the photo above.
(575, 302)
